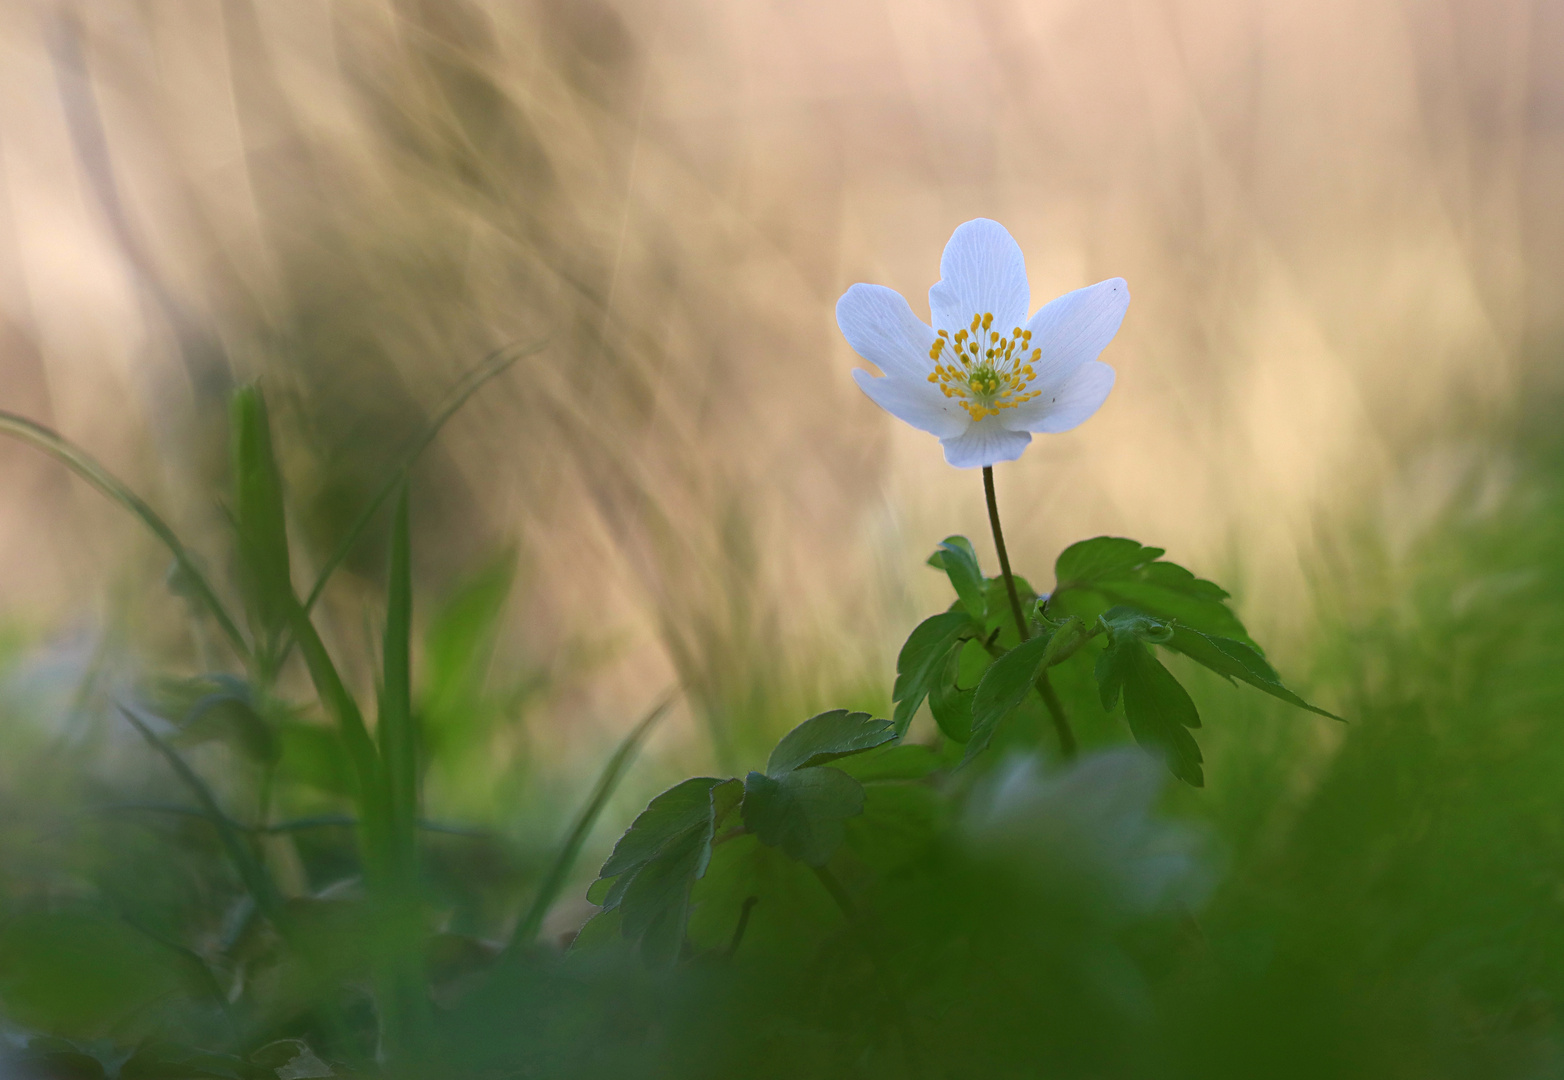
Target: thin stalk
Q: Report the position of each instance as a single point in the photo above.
(1004, 556)
(1044, 687)
(87, 467)
(250, 869)
(1056, 712)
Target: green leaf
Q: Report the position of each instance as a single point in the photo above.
(251, 869)
(228, 711)
(1236, 660)
(1007, 681)
(1157, 707)
(1013, 675)
(1127, 624)
(459, 644)
(904, 761)
(1121, 571)
(1101, 558)
(1000, 617)
(600, 932)
(950, 704)
(831, 735)
(660, 857)
(956, 557)
(802, 812)
(78, 972)
(922, 661)
(789, 913)
(259, 519)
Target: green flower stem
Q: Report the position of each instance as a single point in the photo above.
(1056, 712)
(1044, 687)
(1004, 557)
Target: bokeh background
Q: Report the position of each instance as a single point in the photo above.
(1340, 222)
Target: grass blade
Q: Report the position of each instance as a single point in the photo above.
(527, 929)
(260, 521)
(86, 466)
(333, 694)
(495, 364)
(250, 868)
(398, 744)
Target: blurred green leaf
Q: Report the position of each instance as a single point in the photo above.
(76, 972)
(826, 737)
(259, 518)
(899, 828)
(922, 661)
(291, 1059)
(789, 913)
(57, 1059)
(956, 557)
(228, 712)
(459, 644)
(169, 1061)
(601, 931)
(250, 868)
(1157, 707)
(313, 755)
(803, 811)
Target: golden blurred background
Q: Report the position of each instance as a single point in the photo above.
(1339, 222)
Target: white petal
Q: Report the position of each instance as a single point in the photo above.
(985, 443)
(882, 329)
(915, 400)
(982, 270)
(1066, 407)
(1075, 328)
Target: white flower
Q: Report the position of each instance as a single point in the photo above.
(985, 377)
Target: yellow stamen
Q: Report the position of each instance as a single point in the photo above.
(989, 379)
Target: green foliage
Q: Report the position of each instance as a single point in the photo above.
(1158, 708)
(1236, 660)
(802, 812)
(864, 906)
(649, 875)
(1015, 674)
(827, 737)
(923, 661)
(956, 557)
(1097, 574)
(1113, 597)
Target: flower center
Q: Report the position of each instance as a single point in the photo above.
(982, 370)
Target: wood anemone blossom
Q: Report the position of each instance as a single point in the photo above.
(984, 377)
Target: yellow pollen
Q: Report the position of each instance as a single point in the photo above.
(988, 380)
